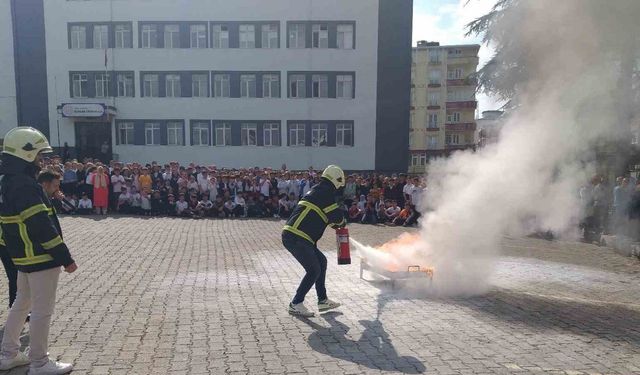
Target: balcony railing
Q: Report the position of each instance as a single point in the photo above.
(433, 106)
(463, 126)
(470, 104)
(462, 82)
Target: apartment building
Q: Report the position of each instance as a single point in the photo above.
(241, 83)
(443, 102)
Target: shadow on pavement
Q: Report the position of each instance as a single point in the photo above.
(373, 350)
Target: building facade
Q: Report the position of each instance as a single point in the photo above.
(443, 102)
(304, 83)
(489, 127)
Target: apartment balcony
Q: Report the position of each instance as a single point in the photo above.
(463, 126)
(463, 60)
(460, 147)
(469, 104)
(433, 85)
(462, 82)
(434, 107)
(435, 62)
(433, 128)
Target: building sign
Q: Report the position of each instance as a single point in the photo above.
(83, 110)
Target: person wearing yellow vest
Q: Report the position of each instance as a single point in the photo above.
(33, 237)
(308, 221)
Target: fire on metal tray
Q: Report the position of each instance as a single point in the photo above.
(394, 259)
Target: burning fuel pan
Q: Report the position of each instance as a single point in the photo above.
(394, 276)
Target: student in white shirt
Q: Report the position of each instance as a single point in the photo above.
(182, 207)
(85, 205)
(240, 205)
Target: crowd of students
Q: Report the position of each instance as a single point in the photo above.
(195, 191)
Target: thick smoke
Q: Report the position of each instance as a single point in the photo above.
(572, 51)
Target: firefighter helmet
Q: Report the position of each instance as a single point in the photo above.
(334, 174)
(26, 143)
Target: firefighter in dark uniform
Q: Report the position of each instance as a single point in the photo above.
(33, 237)
(10, 269)
(305, 227)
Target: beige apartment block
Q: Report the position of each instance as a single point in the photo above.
(443, 101)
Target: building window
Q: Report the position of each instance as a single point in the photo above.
(418, 160)
(297, 135)
(78, 37)
(200, 134)
(297, 86)
(198, 36)
(319, 135)
(100, 36)
(452, 139)
(297, 36)
(271, 86)
(320, 86)
(434, 99)
(344, 87)
(175, 134)
(172, 36)
(454, 52)
(151, 86)
(149, 36)
(125, 133)
(434, 56)
(102, 85)
(152, 133)
(320, 36)
(125, 85)
(221, 86)
(468, 138)
(453, 117)
(248, 134)
(123, 36)
(434, 77)
(220, 36)
(199, 85)
(223, 134)
(345, 36)
(80, 82)
(247, 36)
(270, 36)
(344, 135)
(172, 86)
(459, 95)
(433, 121)
(432, 142)
(457, 73)
(271, 134)
(248, 86)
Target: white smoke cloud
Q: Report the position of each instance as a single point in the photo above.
(530, 179)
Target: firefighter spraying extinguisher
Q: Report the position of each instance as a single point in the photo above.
(344, 253)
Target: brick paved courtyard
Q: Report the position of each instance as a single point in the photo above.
(169, 296)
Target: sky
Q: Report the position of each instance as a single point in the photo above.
(445, 21)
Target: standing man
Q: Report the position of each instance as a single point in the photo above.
(305, 227)
(32, 234)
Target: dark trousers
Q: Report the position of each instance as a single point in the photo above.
(313, 262)
(12, 273)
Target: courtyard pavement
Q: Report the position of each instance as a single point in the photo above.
(172, 296)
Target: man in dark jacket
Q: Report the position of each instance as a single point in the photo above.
(33, 237)
(305, 227)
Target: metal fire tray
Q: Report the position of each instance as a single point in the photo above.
(412, 272)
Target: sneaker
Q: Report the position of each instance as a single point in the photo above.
(327, 305)
(21, 359)
(51, 368)
(300, 309)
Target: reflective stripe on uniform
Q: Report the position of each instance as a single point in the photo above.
(298, 232)
(330, 208)
(32, 260)
(26, 214)
(28, 245)
(317, 209)
(53, 243)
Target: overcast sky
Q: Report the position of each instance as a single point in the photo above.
(445, 21)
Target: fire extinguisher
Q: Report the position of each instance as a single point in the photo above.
(344, 254)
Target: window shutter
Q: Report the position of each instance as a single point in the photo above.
(235, 134)
(331, 134)
(260, 135)
(138, 133)
(163, 133)
(307, 134)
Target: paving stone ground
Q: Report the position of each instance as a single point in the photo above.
(171, 296)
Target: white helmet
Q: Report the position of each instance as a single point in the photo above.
(334, 174)
(26, 143)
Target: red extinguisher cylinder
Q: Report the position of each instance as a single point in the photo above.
(344, 252)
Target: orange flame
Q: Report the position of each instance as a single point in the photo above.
(395, 248)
